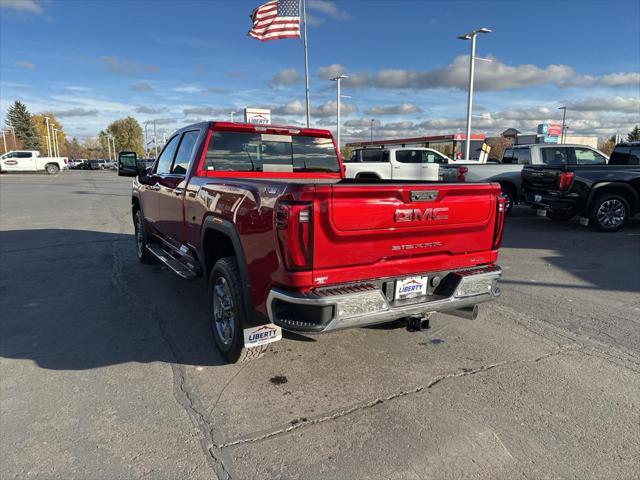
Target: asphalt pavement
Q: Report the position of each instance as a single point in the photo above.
(108, 368)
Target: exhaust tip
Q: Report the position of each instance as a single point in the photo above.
(468, 313)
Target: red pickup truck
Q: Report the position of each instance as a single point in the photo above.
(287, 242)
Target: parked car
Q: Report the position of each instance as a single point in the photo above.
(286, 242)
(603, 195)
(74, 164)
(400, 163)
(31, 161)
(95, 164)
(109, 164)
(508, 172)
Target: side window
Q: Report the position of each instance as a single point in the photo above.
(25, 154)
(163, 165)
(634, 156)
(409, 156)
(433, 157)
(11, 155)
(185, 153)
(586, 156)
(554, 155)
(374, 155)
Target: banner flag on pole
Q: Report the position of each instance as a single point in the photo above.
(275, 20)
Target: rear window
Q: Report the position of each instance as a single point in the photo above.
(256, 152)
(520, 156)
(625, 156)
(374, 155)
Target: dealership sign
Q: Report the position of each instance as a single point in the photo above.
(550, 129)
(260, 116)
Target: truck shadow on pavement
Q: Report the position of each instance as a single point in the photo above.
(75, 300)
(598, 261)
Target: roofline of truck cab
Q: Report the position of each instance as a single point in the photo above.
(252, 127)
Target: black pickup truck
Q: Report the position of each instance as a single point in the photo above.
(603, 195)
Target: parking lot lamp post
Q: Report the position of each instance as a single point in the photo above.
(372, 120)
(155, 138)
(231, 114)
(13, 132)
(48, 136)
(4, 139)
(471, 36)
(55, 143)
(564, 116)
(109, 146)
(337, 80)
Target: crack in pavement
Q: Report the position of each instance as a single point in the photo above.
(181, 392)
(394, 396)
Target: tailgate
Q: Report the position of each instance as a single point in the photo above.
(400, 228)
(540, 178)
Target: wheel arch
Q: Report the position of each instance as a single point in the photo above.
(372, 175)
(616, 188)
(219, 239)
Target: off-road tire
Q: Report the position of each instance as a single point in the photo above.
(52, 168)
(140, 237)
(233, 348)
(616, 205)
(560, 216)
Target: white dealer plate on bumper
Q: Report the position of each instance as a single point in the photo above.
(411, 287)
(256, 336)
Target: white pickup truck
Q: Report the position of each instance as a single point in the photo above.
(31, 161)
(401, 163)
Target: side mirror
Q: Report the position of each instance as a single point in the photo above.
(127, 164)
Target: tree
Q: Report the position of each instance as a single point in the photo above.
(634, 135)
(606, 146)
(127, 134)
(498, 146)
(345, 153)
(19, 118)
(41, 125)
(75, 150)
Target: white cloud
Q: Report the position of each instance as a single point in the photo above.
(331, 71)
(493, 75)
(402, 109)
(76, 112)
(25, 64)
(327, 109)
(614, 104)
(29, 6)
(328, 9)
(188, 89)
(127, 67)
(141, 87)
(149, 110)
(288, 76)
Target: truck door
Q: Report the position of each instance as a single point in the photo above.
(150, 191)
(413, 165)
(18, 162)
(172, 190)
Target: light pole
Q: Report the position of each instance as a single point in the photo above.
(471, 36)
(231, 114)
(564, 116)
(372, 120)
(48, 136)
(55, 143)
(4, 139)
(155, 138)
(113, 143)
(13, 132)
(337, 80)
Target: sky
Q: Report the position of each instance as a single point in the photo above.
(177, 62)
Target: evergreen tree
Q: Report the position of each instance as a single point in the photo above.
(19, 118)
(634, 135)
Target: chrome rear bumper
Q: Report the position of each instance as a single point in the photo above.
(363, 305)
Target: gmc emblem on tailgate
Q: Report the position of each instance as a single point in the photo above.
(418, 215)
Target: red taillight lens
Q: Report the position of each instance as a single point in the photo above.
(565, 179)
(462, 172)
(499, 225)
(294, 229)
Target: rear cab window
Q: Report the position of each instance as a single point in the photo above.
(555, 155)
(230, 151)
(625, 155)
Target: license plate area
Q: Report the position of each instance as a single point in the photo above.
(411, 287)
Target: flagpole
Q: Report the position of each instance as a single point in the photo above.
(306, 60)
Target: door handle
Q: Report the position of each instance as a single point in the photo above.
(178, 191)
(155, 187)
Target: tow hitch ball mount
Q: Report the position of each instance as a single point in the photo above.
(417, 323)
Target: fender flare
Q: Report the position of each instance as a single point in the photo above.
(227, 228)
(600, 185)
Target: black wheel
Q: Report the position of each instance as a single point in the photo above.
(608, 212)
(560, 216)
(141, 239)
(508, 200)
(227, 312)
(52, 168)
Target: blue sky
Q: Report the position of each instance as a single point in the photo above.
(91, 62)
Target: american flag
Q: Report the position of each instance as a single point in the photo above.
(276, 19)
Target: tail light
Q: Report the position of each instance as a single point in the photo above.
(462, 172)
(295, 234)
(565, 179)
(499, 225)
